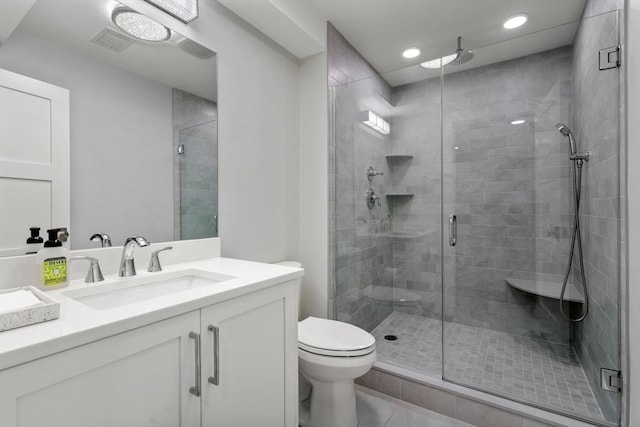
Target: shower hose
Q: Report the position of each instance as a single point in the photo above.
(576, 175)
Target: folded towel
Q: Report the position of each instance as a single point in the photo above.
(18, 299)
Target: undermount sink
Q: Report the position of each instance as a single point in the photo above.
(121, 292)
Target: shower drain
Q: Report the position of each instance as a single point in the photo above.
(391, 337)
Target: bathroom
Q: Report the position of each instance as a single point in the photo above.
(291, 154)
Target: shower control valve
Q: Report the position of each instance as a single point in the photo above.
(371, 198)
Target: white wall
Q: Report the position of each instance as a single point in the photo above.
(633, 153)
(258, 85)
(314, 188)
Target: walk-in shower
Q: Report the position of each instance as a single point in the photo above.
(486, 142)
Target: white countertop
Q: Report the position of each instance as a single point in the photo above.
(80, 324)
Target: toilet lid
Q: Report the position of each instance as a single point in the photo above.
(333, 338)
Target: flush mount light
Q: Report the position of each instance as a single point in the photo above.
(440, 62)
(411, 52)
(375, 122)
(184, 10)
(515, 21)
(518, 122)
(139, 26)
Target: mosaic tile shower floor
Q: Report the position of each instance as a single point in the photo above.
(547, 374)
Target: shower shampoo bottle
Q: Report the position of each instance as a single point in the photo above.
(51, 263)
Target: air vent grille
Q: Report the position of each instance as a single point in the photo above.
(112, 40)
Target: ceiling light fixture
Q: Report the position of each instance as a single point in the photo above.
(375, 122)
(518, 122)
(440, 62)
(139, 26)
(411, 52)
(184, 10)
(515, 21)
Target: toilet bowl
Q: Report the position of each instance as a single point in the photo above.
(331, 355)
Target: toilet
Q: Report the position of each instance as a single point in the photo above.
(331, 354)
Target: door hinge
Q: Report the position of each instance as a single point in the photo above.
(610, 58)
(181, 149)
(611, 380)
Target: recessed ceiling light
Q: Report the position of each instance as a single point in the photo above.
(139, 26)
(411, 52)
(517, 122)
(515, 21)
(440, 62)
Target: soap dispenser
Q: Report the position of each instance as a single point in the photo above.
(34, 243)
(51, 263)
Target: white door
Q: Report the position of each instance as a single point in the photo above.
(256, 355)
(134, 379)
(34, 159)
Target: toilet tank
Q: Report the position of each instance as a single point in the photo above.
(294, 264)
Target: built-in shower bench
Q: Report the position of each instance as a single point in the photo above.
(546, 289)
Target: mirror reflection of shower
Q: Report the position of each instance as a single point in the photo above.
(578, 160)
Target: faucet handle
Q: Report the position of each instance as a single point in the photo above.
(94, 274)
(154, 262)
(105, 240)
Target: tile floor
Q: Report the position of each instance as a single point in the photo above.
(378, 410)
(527, 369)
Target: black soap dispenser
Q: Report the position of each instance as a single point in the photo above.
(34, 243)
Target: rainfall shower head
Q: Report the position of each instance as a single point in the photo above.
(567, 132)
(462, 56)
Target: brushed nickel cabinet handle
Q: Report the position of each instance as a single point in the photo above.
(195, 390)
(215, 379)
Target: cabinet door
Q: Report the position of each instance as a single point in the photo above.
(257, 360)
(135, 379)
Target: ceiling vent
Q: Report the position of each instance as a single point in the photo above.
(195, 49)
(112, 40)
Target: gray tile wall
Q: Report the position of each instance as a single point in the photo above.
(508, 185)
(195, 121)
(596, 124)
(363, 251)
(417, 257)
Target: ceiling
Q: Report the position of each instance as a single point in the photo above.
(381, 29)
(73, 24)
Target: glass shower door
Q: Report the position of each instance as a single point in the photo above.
(508, 218)
(197, 151)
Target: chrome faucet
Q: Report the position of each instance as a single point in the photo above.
(127, 265)
(94, 274)
(105, 240)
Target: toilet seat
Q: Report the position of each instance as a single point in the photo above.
(326, 337)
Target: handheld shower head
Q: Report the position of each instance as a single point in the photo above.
(563, 129)
(567, 132)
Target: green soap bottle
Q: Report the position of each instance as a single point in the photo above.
(51, 263)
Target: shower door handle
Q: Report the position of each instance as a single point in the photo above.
(453, 230)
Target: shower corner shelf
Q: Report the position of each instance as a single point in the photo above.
(399, 196)
(399, 157)
(546, 289)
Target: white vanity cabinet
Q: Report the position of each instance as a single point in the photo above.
(137, 378)
(149, 376)
(250, 378)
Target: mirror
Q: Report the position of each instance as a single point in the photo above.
(143, 121)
